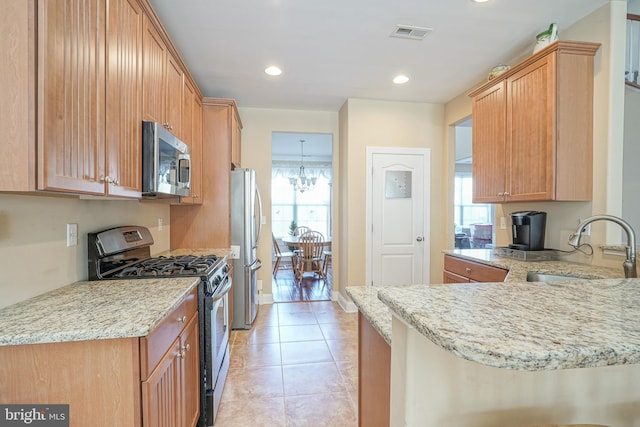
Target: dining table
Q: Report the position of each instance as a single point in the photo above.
(293, 241)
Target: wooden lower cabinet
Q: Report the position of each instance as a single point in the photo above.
(459, 270)
(138, 381)
(374, 376)
(170, 396)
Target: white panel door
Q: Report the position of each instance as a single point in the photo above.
(398, 194)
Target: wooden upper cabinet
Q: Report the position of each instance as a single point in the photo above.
(71, 95)
(192, 135)
(153, 73)
(533, 128)
(236, 139)
(173, 96)
(489, 144)
(18, 86)
(124, 100)
(162, 81)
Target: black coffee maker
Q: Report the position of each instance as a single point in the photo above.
(528, 230)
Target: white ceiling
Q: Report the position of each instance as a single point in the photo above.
(332, 50)
(287, 146)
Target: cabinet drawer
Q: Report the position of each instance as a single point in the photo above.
(449, 277)
(156, 344)
(473, 270)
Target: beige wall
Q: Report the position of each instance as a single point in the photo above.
(601, 26)
(34, 257)
(258, 125)
(368, 123)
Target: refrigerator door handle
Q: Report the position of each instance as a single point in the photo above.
(259, 219)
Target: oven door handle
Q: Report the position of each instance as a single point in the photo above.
(227, 286)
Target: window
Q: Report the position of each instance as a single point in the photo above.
(311, 208)
(468, 215)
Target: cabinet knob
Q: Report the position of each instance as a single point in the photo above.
(186, 347)
(500, 194)
(506, 193)
(166, 125)
(467, 269)
(106, 179)
(182, 319)
(419, 239)
(181, 355)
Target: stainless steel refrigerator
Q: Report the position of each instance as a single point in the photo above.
(246, 213)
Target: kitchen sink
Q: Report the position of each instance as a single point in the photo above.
(534, 276)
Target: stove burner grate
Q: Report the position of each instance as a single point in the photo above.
(185, 265)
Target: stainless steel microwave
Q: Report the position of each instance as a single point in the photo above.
(166, 163)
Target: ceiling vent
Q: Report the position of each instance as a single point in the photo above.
(410, 32)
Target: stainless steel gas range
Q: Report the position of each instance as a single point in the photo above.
(124, 253)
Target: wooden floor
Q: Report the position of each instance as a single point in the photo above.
(286, 289)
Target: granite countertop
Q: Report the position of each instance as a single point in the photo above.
(517, 324)
(374, 310)
(99, 309)
(527, 326)
(93, 310)
(518, 269)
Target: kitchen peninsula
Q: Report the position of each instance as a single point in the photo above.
(512, 353)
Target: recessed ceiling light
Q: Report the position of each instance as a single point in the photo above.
(400, 80)
(479, 1)
(273, 70)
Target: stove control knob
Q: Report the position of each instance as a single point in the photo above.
(226, 268)
(217, 281)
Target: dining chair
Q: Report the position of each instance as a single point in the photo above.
(299, 231)
(279, 255)
(326, 260)
(309, 259)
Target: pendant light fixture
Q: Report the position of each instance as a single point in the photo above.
(302, 182)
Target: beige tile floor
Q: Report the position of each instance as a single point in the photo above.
(297, 366)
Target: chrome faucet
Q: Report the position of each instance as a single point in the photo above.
(629, 264)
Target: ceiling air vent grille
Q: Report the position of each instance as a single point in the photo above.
(410, 32)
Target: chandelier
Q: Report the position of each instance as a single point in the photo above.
(302, 182)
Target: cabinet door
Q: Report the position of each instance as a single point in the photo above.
(71, 95)
(161, 391)
(236, 139)
(124, 90)
(173, 100)
(374, 376)
(190, 374)
(153, 73)
(531, 128)
(193, 108)
(489, 145)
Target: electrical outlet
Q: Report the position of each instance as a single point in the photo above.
(503, 223)
(235, 252)
(160, 224)
(259, 285)
(72, 234)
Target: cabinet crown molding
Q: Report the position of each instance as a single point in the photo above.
(563, 46)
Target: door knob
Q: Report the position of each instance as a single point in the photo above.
(419, 239)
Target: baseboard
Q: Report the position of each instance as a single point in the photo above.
(345, 304)
(265, 299)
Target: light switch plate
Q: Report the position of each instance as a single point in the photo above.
(235, 252)
(72, 234)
